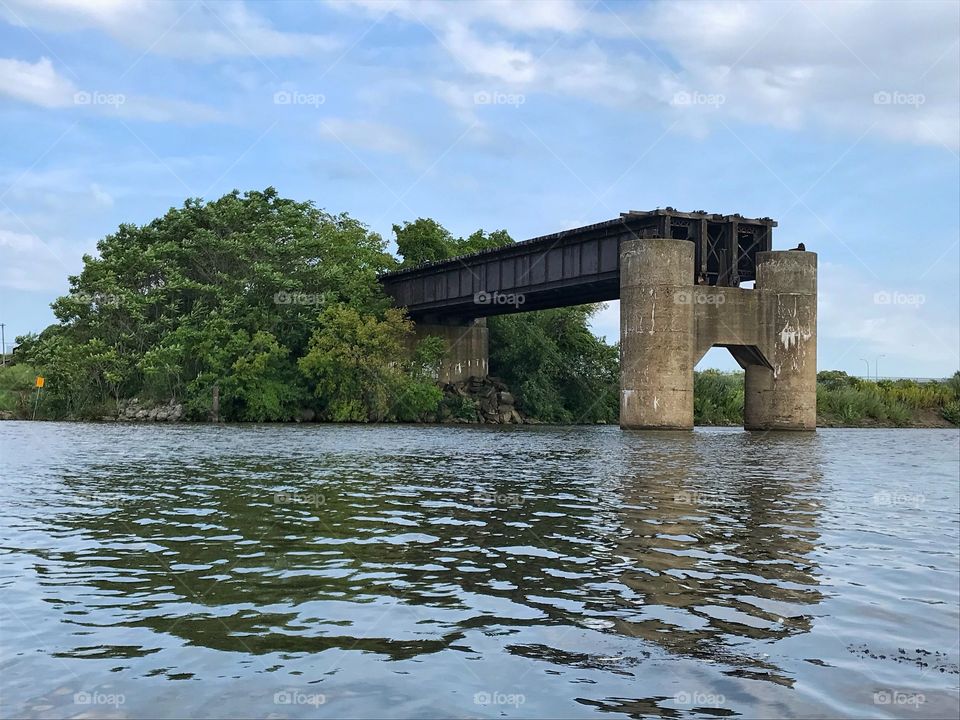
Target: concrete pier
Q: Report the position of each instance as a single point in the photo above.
(656, 334)
(783, 395)
(467, 352)
(667, 324)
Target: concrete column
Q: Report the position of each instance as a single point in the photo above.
(657, 334)
(467, 349)
(785, 397)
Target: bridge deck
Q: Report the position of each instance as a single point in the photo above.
(576, 266)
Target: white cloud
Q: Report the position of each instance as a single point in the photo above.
(100, 196)
(36, 83)
(29, 263)
(533, 16)
(199, 31)
(498, 60)
(826, 64)
(839, 66)
(861, 318)
(40, 84)
(368, 135)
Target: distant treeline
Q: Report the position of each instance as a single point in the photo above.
(842, 400)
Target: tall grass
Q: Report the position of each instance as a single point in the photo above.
(841, 400)
(16, 390)
(717, 398)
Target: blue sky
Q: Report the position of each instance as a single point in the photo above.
(841, 121)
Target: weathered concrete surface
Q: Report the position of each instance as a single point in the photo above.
(667, 325)
(657, 334)
(783, 396)
(725, 317)
(467, 349)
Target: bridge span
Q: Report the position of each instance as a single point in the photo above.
(575, 266)
(678, 278)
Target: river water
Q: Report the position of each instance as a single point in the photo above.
(425, 571)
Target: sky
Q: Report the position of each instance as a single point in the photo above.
(840, 120)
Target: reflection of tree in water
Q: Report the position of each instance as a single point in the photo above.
(403, 555)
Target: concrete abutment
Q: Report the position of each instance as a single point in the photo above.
(467, 348)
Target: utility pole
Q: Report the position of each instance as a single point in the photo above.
(876, 364)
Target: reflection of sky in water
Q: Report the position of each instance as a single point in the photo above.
(402, 570)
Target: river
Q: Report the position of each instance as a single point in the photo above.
(467, 571)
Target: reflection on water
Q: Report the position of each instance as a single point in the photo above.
(527, 572)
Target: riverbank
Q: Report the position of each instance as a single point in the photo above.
(843, 401)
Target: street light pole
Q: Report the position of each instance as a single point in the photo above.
(3, 345)
(868, 367)
(876, 365)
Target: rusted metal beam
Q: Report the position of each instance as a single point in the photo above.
(574, 266)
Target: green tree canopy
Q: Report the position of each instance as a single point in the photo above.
(226, 293)
(425, 240)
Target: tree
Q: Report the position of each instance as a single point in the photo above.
(559, 370)
(208, 295)
(425, 240)
(356, 364)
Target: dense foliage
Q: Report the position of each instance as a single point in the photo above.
(556, 366)
(273, 307)
(425, 240)
(559, 370)
(239, 297)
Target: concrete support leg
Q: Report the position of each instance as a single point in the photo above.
(785, 397)
(467, 349)
(657, 334)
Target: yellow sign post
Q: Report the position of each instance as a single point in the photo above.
(39, 386)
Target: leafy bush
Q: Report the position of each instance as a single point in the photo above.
(718, 398)
(17, 394)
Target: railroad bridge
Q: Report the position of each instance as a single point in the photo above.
(677, 276)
